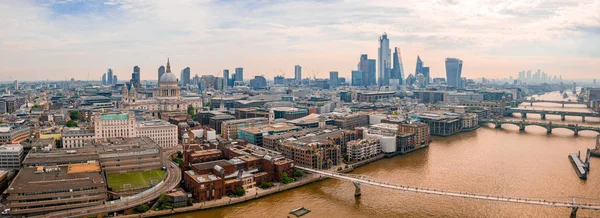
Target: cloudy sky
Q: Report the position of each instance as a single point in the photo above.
(54, 39)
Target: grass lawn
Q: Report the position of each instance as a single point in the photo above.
(134, 180)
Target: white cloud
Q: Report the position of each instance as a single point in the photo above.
(267, 36)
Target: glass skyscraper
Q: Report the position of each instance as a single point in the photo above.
(225, 78)
(135, 77)
(357, 78)
(185, 76)
(333, 79)
(368, 68)
(161, 71)
(298, 73)
(384, 60)
(453, 71)
(239, 74)
(109, 77)
(398, 69)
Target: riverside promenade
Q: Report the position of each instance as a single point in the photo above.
(255, 192)
(226, 201)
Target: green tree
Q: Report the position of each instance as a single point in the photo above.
(164, 202)
(36, 106)
(285, 179)
(142, 208)
(239, 192)
(74, 115)
(298, 173)
(266, 185)
(179, 154)
(72, 123)
(191, 111)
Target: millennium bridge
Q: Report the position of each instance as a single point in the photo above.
(572, 202)
(549, 126)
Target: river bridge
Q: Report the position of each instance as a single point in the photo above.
(543, 113)
(572, 202)
(549, 126)
(552, 101)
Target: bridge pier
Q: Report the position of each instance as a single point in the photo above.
(498, 125)
(522, 126)
(563, 105)
(562, 117)
(523, 115)
(356, 189)
(574, 212)
(576, 129)
(583, 119)
(543, 115)
(531, 103)
(549, 128)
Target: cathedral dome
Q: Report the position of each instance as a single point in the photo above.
(168, 78)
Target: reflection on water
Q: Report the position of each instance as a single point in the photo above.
(503, 162)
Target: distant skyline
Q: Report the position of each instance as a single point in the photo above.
(59, 39)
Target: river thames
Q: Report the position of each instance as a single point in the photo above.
(488, 161)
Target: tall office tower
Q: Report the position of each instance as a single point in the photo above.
(333, 79)
(114, 80)
(298, 73)
(372, 66)
(17, 84)
(104, 79)
(421, 69)
(357, 78)
(196, 80)
(239, 74)
(367, 67)
(425, 72)
(528, 75)
(453, 71)
(419, 65)
(161, 71)
(225, 78)
(135, 77)
(384, 60)
(109, 76)
(185, 76)
(398, 69)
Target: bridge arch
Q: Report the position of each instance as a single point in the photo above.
(563, 127)
(591, 130)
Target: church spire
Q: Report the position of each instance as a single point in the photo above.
(168, 66)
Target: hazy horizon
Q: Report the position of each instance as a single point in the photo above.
(59, 39)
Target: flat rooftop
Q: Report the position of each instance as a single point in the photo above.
(36, 179)
(280, 127)
(211, 164)
(201, 178)
(83, 168)
(11, 147)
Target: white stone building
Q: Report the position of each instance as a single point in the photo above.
(123, 125)
(11, 156)
(162, 132)
(469, 121)
(76, 137)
